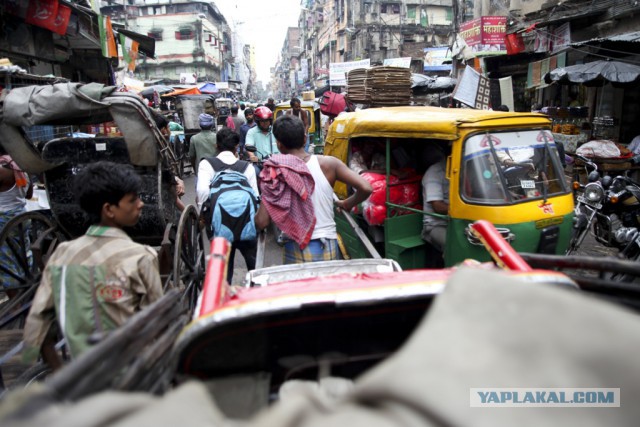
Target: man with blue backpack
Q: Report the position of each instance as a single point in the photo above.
(227, 195)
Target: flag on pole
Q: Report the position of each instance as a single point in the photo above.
(108, 40)
(129, 51)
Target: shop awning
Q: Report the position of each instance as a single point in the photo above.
(147, 45)
(632, 37)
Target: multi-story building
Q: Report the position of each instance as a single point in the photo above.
(333, 31)
(193, 40)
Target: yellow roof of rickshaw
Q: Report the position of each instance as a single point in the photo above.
(425, 122)
(303, 104)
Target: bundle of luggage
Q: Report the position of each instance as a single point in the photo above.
(357, 86)
(379, 86)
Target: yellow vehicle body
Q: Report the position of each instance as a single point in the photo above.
(523, 219)
(311, 109)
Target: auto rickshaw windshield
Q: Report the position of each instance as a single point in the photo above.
(511, 167)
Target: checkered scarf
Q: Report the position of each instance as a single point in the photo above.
(286, 186)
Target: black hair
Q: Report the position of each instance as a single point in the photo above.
(234, 110)
(502, 108)
(104, 182)
(294, 100)
(227, 140)
(161, 121)
(248, 111)
(289, 130)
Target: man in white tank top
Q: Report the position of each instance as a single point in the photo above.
(326, 170)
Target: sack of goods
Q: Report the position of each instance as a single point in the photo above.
(405, 193)
(232, 202)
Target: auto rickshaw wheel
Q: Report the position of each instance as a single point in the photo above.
(189, 255)
(26, 243)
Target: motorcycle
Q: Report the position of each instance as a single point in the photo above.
(612, 207)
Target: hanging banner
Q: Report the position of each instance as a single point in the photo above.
(107, 39)
(561, 37)
(129, 51)
(473, 90)
(338, 71)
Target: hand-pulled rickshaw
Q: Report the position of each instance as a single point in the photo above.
(333, 321)
(189, 108)
(56, 157)
(502, 167)
(246, 342)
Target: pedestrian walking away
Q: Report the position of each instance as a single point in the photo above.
(204, 143)
(312, 237)
(209, 170)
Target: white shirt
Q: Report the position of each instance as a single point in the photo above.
(322, 198)
(206, 173)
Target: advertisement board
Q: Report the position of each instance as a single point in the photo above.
(485, 35)
(398, 62)
(338, 71)
(434, 58)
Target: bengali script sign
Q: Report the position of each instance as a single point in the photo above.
(485, 35)
(338, 71)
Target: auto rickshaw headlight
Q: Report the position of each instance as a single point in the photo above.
(593, 192)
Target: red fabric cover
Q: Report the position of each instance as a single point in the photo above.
(374, 209)
(286, 186)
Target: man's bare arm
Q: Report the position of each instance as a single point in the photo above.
(262, 218)
(361, 186)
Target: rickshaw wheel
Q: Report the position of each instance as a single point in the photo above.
(28, 239)
(189, 255)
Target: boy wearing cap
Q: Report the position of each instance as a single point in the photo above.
(204, 143)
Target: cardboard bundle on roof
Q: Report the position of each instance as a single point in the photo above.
(389, 86)
(357, 86)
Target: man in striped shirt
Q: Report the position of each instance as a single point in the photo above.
(95, 283)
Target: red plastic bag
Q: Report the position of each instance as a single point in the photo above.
(374, 214)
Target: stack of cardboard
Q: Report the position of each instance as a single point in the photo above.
(389, 86)
(357, 86)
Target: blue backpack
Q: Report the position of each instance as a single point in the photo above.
(232, 202)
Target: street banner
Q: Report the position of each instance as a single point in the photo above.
(561, 37)
(338, 71)
(473, 90)
(48, 14)
(398, 62)
(129, 51)
(107, 39)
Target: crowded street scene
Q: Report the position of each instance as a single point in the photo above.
(319, 212)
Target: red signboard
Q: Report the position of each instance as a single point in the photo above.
(484, 30)
(470, 31)
(494, 28)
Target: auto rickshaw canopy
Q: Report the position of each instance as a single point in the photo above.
(424, 122)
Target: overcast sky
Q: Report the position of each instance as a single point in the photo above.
(262, 24)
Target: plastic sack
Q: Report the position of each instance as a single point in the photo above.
(599, 148)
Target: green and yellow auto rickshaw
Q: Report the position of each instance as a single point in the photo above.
(502, 167)
(312, 110)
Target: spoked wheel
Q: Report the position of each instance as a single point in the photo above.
(189, 254)
(26, 242)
